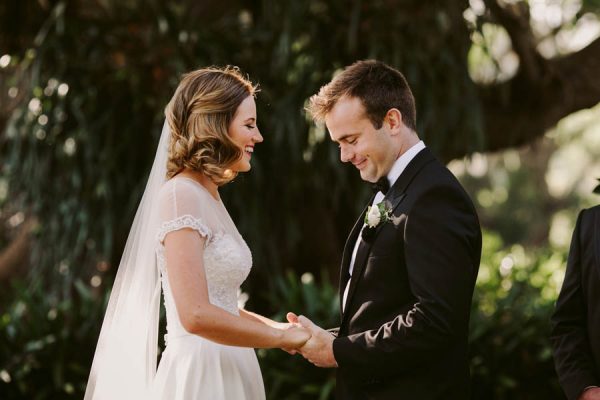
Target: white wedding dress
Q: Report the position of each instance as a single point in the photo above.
(191, 367)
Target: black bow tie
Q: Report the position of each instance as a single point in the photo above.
(382, 185)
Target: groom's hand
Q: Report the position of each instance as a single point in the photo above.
(292, 320)
(319, 348)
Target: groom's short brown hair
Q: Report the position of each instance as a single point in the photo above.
(378, 86)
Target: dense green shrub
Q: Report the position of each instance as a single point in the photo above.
(510, 322)
(47, 343)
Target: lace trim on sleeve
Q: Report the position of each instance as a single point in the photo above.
(185, 221)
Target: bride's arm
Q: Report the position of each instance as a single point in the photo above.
(263, 320)
(184, 251)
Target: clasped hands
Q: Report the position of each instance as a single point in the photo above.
(317, 344)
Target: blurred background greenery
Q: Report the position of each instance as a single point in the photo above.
(507, 94)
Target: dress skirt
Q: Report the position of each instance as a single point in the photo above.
(194, 368)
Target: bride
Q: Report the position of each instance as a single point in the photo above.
(183, 238)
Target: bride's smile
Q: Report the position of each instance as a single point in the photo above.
(244, 132)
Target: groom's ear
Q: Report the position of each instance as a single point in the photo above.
(393, 119)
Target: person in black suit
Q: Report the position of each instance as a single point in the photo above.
(410, 263)
(576, 319)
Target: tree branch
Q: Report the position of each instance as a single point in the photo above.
(514, 17)
(519, 111)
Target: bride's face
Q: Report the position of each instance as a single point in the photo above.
(244, 132)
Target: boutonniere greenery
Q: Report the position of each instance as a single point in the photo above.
(378, 214)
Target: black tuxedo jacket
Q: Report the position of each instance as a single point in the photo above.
(576, 319)
(404, 332)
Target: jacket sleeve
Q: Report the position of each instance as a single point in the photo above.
(442, 247)
(570, 342)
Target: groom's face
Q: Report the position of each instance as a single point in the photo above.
(370, 150)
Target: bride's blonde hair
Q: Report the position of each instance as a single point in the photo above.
(199, 115)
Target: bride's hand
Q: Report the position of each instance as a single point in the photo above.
(284, 326)
(294, 337)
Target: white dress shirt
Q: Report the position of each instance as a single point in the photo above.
(397, 169)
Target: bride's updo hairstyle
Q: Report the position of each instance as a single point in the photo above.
(199, 115)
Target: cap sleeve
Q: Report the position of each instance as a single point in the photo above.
(183, 204)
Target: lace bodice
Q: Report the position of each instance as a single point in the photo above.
(227, 259)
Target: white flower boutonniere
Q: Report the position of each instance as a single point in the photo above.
(379, 213)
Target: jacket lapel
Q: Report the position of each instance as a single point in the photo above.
(348, 248)
(395, 195)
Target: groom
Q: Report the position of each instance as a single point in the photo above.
(409, 268)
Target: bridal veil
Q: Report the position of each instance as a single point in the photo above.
(125, 359)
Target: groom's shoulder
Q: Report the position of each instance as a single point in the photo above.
(590, 215)
(437, 174)
(438, 181)
(595, 210)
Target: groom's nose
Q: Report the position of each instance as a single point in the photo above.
(345, 154)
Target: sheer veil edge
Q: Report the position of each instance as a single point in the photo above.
(125, 359)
